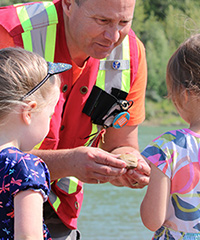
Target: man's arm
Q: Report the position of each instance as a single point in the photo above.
(88, 164)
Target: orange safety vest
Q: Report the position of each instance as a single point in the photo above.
(33, 26)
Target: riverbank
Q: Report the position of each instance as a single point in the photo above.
(162, 113)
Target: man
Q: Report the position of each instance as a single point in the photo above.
(83, 33)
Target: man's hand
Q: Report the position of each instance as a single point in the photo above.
(93, 165)
(122, 141)
(135, 178)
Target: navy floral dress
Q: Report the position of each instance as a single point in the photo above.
(19, 171)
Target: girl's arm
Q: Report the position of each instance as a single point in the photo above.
(154, 205)
(28, 220)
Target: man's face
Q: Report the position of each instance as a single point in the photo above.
(96, 27)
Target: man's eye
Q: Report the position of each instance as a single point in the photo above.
(101, 21)
(124, 22)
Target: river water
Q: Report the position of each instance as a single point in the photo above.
(112, 213)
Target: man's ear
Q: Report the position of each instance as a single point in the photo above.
(67, 4)
(27, 112)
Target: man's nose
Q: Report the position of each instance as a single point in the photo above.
(112, 33)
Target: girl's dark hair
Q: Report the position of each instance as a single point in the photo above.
(183, 69)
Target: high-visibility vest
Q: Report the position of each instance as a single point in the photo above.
(33, 27)
(109, 77)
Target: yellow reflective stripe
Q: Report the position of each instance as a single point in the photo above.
(24, 18)
(126, 49)
(38, 145)
(125, 84)
(94, 130)
(51, 11)
(50, 43)
(73, 185)
(51, 32)
(56, 203)
(100, 82)
(126, 73)
(26, 25)
(27, 41)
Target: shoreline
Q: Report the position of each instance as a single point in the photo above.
(162, 113)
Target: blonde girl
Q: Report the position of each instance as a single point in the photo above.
(28, 95)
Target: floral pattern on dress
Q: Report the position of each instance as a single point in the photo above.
(19, 171)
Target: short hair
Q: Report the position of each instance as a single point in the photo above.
(183, 69)
(20, 71)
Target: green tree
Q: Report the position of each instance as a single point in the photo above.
(158, 53)
(156, 7)
(180, 25)
(139, 18)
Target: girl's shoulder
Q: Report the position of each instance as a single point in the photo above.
(16, 155)
(14, 160)
(24, 171)
(173, 135)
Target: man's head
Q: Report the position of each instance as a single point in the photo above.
(95, 27)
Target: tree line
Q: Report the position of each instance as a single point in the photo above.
(162, 25)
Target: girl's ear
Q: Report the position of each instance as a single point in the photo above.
(185, 95)
(27, 112)
(189, 96)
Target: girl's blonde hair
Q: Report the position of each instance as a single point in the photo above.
(20, 71)
(183, 70)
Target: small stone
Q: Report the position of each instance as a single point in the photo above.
(130, 159)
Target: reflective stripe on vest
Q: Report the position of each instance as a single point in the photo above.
(108, 76)
(68, 184)
(95, 130)
(55, 200)
(39, 22)
(39, 29)
(119, 77)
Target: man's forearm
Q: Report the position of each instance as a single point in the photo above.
(85, 163)
(58, 162)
